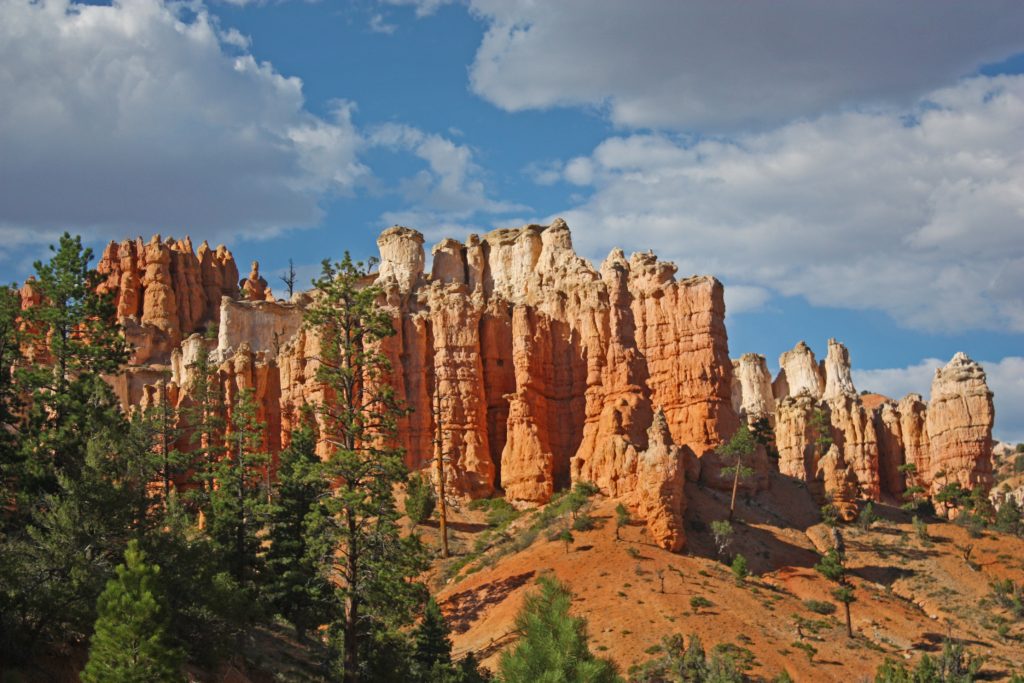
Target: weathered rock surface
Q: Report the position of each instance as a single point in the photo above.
(838, 484)
(752, 388)
(538, 370)
(891, 446)
(164, 291)
(798, 373)
(659, 492)
(959, 424)
(838, 380)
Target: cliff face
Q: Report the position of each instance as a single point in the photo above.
(165, 291)
(538, 370)
(888, 447)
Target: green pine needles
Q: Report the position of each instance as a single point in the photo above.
(130, 644)
(552, 646)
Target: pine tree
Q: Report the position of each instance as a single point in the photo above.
(552, 644)
(833, 569)
(420, 500)
(10, 403)
(76, 339)
(295, 588)
(432, 648)
(621, 519)
(75, 491)
(366, 556)
(130, 643)
(204, 423)
(238, 496)
(740, 446)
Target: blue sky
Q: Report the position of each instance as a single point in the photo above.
(848, 170)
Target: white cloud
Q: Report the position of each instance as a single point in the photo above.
(722, 64)
(898, 382)
(378, 24)
(918, 213)
(1005, 379)
(424, 8)
(146, 115)
(449, 190)
(744, 298)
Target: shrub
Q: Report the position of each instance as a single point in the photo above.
(633, 552)
(584, 522)
(867, 517)
(500, 513)
(921, 529)
(722, 532)
(739, 569)
(829, 515)
(621, 518)
(807, 649)
(699, 601)
(420, 500)
(820, 606)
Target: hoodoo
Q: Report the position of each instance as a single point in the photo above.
(538, 370)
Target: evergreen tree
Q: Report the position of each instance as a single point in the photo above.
(739, 447)
(130, 643)
(10, 403)
(205, 426)
(833, 569)
(296, 589)
(366, 556)
(552, 645)
(432, 648)
(75, 339)
(621, 519)
(419, 499)
(238, 496)
(69, 475)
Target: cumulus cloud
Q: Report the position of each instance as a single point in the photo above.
(146, 115)
(424, 8)
(1005, 379)
(447, 191)
(917, 212)
(722, 64)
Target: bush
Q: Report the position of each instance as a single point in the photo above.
(420, 500)
(699, 601)
(500, 513)
(722, 532)
(921, 529)
(867, 517)
(820, 606)
(739, 569)
(807, 649)
(633, 552)
(829, 515)
(584, 522)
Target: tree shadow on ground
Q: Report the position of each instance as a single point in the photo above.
(463, 608)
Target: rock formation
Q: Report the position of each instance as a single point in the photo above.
(959, 424)
(537, 370)
(752, 388)
(798, 373)
(660, 496)
(164, 291)
(889, 447)
(838, 380)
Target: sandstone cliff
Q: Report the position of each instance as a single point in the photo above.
(538, 369)
(887, 446)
